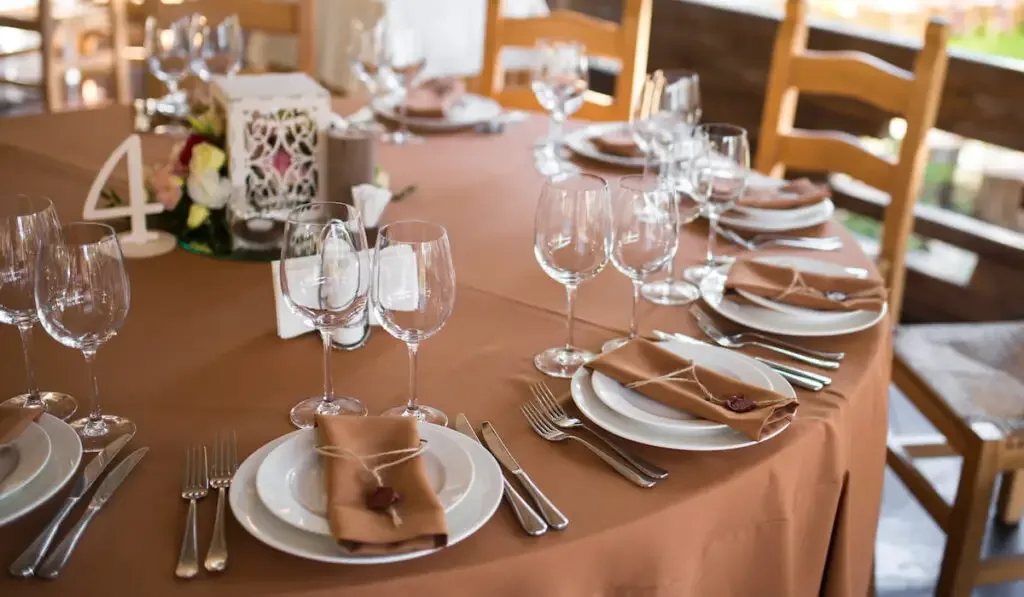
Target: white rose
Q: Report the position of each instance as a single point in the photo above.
(209, 189)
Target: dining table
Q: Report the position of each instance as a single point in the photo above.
(199, 354)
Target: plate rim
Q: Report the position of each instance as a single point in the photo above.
(573, 138)
(827, 208)
(54, 485)
(39, 465)
(378, 106)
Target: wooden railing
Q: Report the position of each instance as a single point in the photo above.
(731, 49)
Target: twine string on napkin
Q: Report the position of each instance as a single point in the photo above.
(403, 455)
(797, 285)
(688, 375)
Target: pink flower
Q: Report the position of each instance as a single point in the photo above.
(282, 161)
(166, 186)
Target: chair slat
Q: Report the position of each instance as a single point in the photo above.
(600, 37)
(821, 151)
(855, 75)
(269, 17)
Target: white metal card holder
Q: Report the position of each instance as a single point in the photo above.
(139, 241)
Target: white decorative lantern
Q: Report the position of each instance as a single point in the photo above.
(276, 144)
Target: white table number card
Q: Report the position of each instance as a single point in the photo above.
(138, 242)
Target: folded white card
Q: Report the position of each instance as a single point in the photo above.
(370, 200)
(399, 285)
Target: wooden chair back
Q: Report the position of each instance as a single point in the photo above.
(625, 42)
(913, 95)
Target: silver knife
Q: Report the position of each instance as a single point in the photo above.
(528, 518)
(551, 514)
(9, 459)
(27, 562)
(55, 563)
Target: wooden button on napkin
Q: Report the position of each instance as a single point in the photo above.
(674, 381)
(433, 98)
(619, 143)
(804, 289)
(13, 421)
(799, 193)
(358, 528)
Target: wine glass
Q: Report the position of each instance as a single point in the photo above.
(26, 224)
(82, 297)
(645, 235)
(559, 78)
(367, 54)
(324, 280)
(218, 49)
(169, 53)
(413, 295)
(718, 178)
(405, 59)
(571, 242)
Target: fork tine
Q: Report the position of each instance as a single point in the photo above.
(220, 459)
(545, 427)
(552, 401)
(529, 419)
(203, 479)
(234, 454)
(538, 402)
(186, 480)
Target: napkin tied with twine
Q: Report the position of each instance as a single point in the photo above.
(797, 193)
(804, 289)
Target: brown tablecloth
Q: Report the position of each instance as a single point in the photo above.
(792, 517)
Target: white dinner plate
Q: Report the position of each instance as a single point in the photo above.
(290, 480)
(33, 446)
(463, 520)
(65, 455)
(752, 219)
(804, 265)
(634, 405)
(470, 110)
(593, 408)
(774, 321)
(579, 141)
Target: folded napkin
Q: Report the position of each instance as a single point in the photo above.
(13, 421)
(358, 528)
(619, 142)
(434, 97)
(799, 193)
(674, 381)
(804, 289)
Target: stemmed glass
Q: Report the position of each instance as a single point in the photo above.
(405, 59)
(82, 296)
(413, 295)
(324, 281)
(218, 49)
(367, 54)
(169, 53)
(571, 242)
(26, 224)
(718, 178)
(645, 235)
(559, 78)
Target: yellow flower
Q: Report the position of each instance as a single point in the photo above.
(208, 123)
(206, 157)
(197, 215)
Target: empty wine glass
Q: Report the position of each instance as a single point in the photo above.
(367, 55)
(571, 242)
(324, 280)
(666, 114)
(405, 59)
(413, 295)
(218, 48)
(26, 224)
(645, 235)
(169, 53)
(559, 78)
(718, 178)
(82, 297)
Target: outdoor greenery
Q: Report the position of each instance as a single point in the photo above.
(1008, 45)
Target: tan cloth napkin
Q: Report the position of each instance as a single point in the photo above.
(619, 143)
(804, 192)
(358, 529)
(13, 421)
(640, 360)
(434, 97)
(803, 289)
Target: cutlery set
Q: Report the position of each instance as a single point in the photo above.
(197, 481)
(31, 562)
(764, 241)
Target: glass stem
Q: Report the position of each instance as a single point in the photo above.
(712, 224)
(412, 405)
(95, 414)
(555, 132)
(570, 294)
(30, 375)
(637, 285)
(403, 127)
(328, 398)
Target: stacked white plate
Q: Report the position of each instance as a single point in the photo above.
(633, 416)
(278, 494)
(754, 219)
(779, 318)
(581, 142)
(469, 111)
(48, 455)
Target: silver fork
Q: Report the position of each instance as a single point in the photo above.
(745, 336)
(761, 241)
(225, 463)
(553, 411)
(546, 430)
(195, 486)
(722, 339)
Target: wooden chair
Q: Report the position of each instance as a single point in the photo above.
(915, 95)
(626, 42)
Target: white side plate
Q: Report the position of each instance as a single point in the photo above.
(65, 455)
(33, 447)
(470, 111)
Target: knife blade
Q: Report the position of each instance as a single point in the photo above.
(9, 459)
(55, 562)
(27, 562)
(528, 518)
(493, 441)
